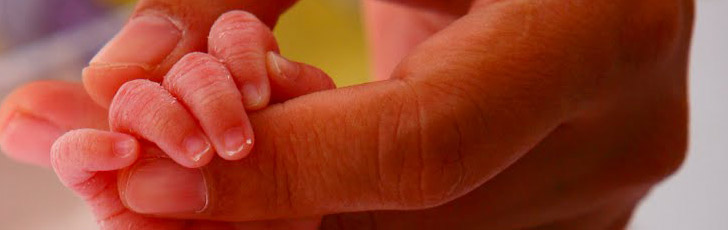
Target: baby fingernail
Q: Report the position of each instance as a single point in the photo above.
(196, 146)
(161, 186)
(282, 67)
(236, 141)
(252, 96)
(146, 40)
(125, 146)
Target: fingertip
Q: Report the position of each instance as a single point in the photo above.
(289, 79)
(86, 150)
(238, 143)
(199, 151)
(103, 82)
(256, 96)
(281, 68)
(241, 40)
(125, 146)
(135, 52)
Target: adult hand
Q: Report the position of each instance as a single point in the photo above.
(547, 114)
(519, 114)
(577, 178)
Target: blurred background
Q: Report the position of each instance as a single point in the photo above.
(44, 39)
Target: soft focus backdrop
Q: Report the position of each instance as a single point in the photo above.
(42, 39)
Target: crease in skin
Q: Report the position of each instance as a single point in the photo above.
(25, 113)
(17, 112)
(20, 111)
(137, 97)
(147, 67)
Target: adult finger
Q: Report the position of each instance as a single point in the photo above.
(143, 108)
(35, 115)
(157, 35)
(454, 115)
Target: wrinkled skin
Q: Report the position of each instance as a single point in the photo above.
(517, 115)
(593, 169)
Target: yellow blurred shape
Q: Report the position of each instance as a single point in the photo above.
(327, 34)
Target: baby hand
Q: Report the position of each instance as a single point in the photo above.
(199, 108)
(196, 111)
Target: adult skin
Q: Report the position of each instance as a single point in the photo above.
(519, 114)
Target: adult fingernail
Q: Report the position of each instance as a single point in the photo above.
(236, 140)
(282, 67)
(29, 139)
(145, 41)
(196, 146)
(102, 82)
(161, 186)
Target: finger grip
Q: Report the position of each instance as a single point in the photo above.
(241, 41)
(146, 109)
(206, 88)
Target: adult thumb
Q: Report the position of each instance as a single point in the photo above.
(158, 34)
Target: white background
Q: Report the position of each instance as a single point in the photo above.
(695, 198)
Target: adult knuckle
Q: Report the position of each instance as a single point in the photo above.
(428, 147)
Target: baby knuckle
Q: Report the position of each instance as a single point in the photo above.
(236, 33)
(132, 102)
(207, 80)
(237, 17)
(190, 63)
